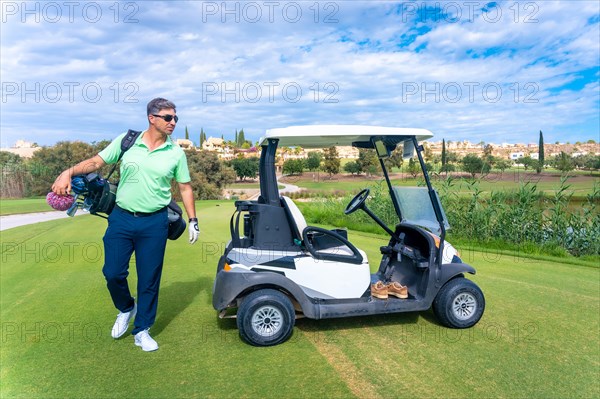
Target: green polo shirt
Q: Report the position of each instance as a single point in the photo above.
(145, 184)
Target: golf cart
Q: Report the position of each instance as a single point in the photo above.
(277, 268)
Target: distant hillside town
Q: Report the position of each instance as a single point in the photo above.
(515, 151)
(227, 150)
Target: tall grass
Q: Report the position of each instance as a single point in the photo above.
(524, 217)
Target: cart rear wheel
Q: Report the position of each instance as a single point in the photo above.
(266, 317)
(459, 304)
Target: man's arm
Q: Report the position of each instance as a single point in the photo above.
(187, 194)
(62, 184)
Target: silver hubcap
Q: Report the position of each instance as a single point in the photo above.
(464, 306)
(267, 321)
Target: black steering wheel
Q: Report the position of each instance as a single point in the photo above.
(357, 201)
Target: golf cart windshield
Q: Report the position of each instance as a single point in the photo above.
(416, 208)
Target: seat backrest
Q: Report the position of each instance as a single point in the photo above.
(295, 217)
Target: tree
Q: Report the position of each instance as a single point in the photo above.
(331, 161)
(395, 160)
(540, 164)
(564, 162)
(590, 162)
(503, 164)
(13, 175)
(413, 167)
(444, 157)
(528, 162)
(593, 163)
(202, 137)
(451, 157)
(245, 167)
(209, 175)
(187, 134)
(487, 150)
(472, 164)
(240, 138)
(9, 158)
(313, 161)
(427, 153)
(352, 167)
(49, 162)
(293, 167)
(367, 161)
(448, 168)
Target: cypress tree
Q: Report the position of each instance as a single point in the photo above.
(187, 134)
(202, 136)
(444, 156)
(540, 153)
(241, 138)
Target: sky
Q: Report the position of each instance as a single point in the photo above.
(497, 72)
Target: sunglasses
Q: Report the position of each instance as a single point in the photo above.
(167, 118)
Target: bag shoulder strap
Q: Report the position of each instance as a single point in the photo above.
(126, 143)
(128, 140)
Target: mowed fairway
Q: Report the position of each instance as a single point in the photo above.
(538, 338)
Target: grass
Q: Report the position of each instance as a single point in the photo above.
(538, 338)
(23, 205)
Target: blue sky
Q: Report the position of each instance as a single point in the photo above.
(482, 71)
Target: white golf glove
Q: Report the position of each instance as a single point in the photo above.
(193, 230)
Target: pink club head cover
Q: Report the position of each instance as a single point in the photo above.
(59, 202)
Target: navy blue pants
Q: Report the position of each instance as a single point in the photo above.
(147, 236)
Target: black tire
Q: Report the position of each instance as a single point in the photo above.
(265, 318)
(459, 304)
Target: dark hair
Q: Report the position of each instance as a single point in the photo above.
(157, 104)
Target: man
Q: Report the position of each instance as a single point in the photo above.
(138, 222)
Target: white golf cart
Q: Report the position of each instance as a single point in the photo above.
(276, 267)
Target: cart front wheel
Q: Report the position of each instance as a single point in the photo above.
(265, 318)
(459, 304)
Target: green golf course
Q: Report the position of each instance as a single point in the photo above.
(538, 338)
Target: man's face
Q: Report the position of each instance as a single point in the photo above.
(159, 120)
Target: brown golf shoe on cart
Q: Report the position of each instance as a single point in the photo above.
(398, 290)
(379, 290)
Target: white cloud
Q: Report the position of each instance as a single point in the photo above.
(363, 64)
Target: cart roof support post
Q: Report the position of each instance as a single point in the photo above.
(269, 191)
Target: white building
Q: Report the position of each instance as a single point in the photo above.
(213, 144)
(22, 148)
(185, 144)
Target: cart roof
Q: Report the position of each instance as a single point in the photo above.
(320, 136)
